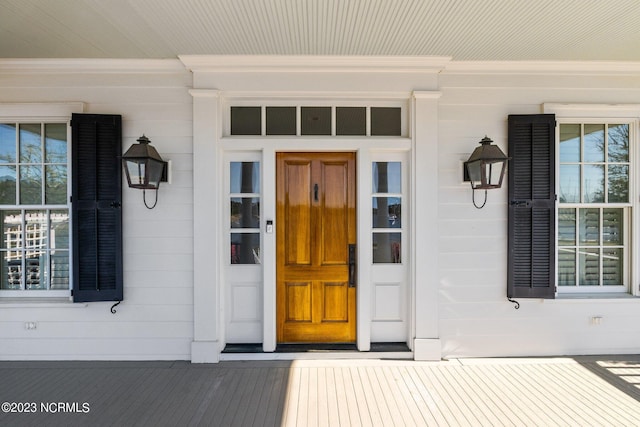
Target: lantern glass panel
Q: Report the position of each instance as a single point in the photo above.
(493, 172)
(135, 172)
(155, 173)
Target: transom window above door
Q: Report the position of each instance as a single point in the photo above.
(316, 120)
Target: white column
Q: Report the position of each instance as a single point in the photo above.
(207, 164)
(425, 275)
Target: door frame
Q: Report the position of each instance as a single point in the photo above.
(366, 149)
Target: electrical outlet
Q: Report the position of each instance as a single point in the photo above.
(30, 325)
(596, 320)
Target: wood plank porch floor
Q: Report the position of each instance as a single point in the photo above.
(580, 391)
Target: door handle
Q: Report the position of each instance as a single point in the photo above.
(315, 192)
(353, 274)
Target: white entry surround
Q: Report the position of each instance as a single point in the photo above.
(236, 304)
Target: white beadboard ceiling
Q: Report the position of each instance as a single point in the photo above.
(465, 30)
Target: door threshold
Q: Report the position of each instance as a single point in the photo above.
(316, 351)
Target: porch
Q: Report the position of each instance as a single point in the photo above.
(589, 390)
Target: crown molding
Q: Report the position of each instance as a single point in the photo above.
(72, 65)
(315, 63)
(543, 67)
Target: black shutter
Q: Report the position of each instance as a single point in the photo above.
(96, 201)
(532, 214)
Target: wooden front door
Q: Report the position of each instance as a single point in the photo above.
(316, 223)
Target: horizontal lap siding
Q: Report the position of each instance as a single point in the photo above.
(155, 320)
(475, 317)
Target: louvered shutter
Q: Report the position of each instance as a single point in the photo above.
(532, 214)
(96, 207)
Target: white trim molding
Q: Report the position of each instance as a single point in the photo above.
(207, 317)
(601, 111)
(314, 63)
(543, 67)
(95, 65)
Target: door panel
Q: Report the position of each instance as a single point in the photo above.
(298, 213)
(316, 217)
(335, 213)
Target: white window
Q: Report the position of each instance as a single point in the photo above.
(387, 212)
(34, 209)
(594, 206)
(244, 212)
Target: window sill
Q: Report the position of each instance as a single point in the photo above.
(65, 302)
(598, 296)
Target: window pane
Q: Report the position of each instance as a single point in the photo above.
(387, 248)
(618, 143)
(59, 269)
(593, 143)
(11, 255)
(56, 185)
(35, 242)
(7, 185)
(566, 227)
(566, 267)
(351, 121)
(11, 229)
(315, 120)
(569, 183)
(30, 143)
(593, 184)
(11, 270)
(36, 232)
(35, 276)
(7, 143)
(612, 264)
(59, 221)
(589, 267)
(281, 120)
(246, 121)
(245, 177)
(55, 143)
(30, 185)
(590, 227)
(387, 177)
(612, 227)
(245, 212)
(245, 248)
(569, 143)
(618, 185)
(385, 121)
(387, 212)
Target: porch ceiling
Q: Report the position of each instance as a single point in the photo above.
(466, 30)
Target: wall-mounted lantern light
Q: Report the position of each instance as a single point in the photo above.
(485, 168)
(144, 168)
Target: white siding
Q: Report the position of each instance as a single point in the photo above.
(155, 320)
(475, 317)
(466, 274)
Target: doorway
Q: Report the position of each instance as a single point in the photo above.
(315, 241)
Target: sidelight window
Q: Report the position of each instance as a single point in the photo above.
(244, 223)
(387, 212)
